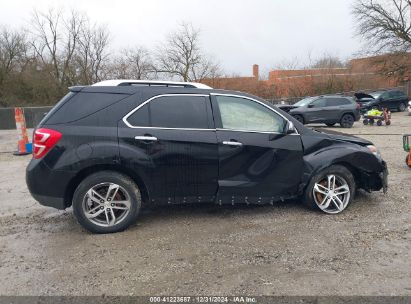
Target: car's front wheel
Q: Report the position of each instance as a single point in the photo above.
(347, 121)
(106, 202)
(331, 190)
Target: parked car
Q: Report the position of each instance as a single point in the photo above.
(108, 150)
(395, 100)
(330, 109)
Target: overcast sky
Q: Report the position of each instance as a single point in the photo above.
(236, 33)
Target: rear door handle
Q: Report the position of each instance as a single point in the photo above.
(146, 138)
(232, 143)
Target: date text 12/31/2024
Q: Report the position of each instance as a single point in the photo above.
(203, 299)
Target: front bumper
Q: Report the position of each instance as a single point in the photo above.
(375, 181)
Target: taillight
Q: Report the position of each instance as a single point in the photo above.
(43, 141)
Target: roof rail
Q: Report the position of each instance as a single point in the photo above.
(132, 82)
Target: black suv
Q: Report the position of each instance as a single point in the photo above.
(330, 109)
(109, 150)
(395, 100)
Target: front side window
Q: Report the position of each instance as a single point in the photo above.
(246, 115)
(188, 112)
(318, 103)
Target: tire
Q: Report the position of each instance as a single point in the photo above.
(402, 107)
(343, 178)
(300, 118)
(330, 124)
(379, 123)
(365, 121)
(388, 122)
(124, 203)
(347, 121)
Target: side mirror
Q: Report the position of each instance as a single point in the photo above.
(290, 129)
(310, 106)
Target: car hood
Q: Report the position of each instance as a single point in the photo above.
(344, 137)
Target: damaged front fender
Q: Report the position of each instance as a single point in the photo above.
(320, 152)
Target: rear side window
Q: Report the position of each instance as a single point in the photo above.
(82, 105)
(140, 117)
(189, 112)
(397, 94)
(332, 102)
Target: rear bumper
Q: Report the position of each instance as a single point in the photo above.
(50, 201)
(47, 186)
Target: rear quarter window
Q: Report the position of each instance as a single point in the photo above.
(81, 105)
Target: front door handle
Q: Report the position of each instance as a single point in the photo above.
(232, 143)
(146, 138)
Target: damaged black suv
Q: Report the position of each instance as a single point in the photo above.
(111, 148)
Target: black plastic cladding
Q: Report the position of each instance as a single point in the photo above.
(191, 165)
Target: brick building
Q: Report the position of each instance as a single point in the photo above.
(359, 74)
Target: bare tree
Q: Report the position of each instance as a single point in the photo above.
(328, 62)
(180, 56)
(384, 24)
(91, 54)
(56, 39)
(386, 27)
(13, 48)
(74, 48)
(133, 63)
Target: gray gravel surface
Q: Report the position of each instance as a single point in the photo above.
(209, 250)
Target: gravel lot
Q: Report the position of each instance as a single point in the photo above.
(210, 250)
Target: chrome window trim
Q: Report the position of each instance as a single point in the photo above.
(162, 128)
(259, 102)
(195, 129)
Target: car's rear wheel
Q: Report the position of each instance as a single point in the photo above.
(331, 190)
(106, 202)
(347, 121)
(402, 107)
(330, 124)
(300, 118)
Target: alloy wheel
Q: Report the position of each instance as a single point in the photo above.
(347, 121)
(402, 107)
(106, 204)
(332, 194)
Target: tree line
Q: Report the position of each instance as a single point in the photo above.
(60, 49)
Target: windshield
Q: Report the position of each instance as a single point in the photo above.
(304, 102)
(376, 94)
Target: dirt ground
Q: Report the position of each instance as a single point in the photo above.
(283, 249)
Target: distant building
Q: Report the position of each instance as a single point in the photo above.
(359, 74)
